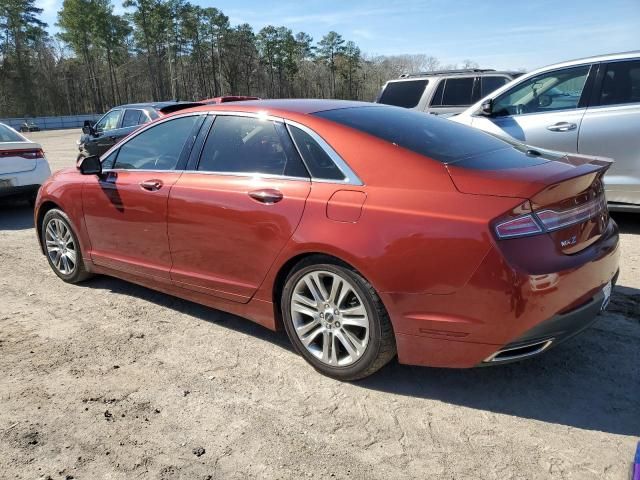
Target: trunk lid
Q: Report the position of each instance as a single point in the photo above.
(564, 191)
(16, 157)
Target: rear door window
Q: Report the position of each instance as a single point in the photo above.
(131, 118)
(457, 92)
(405, 94)
(249, 145)
(621, 83)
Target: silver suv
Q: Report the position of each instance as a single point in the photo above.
(589, 106)
(443, 91)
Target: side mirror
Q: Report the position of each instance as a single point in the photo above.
(486, 107)
(88, 129)
(90, 165)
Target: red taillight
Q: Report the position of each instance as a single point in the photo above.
(549, 220)
(31, 154)
(554, 220)
(518, 227)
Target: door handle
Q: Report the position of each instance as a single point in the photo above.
(266, 195)
(151, 185)
(562, 127)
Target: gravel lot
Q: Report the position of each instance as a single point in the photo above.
(111, 380)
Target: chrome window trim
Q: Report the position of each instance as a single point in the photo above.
(256, 175)
(350, 176)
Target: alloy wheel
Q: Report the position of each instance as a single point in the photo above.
(330, 318)
(60, 246)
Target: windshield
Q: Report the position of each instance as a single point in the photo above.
(428, 135)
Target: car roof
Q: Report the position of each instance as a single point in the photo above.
(597, 58)
(284, 106)
(154, 105)
(454, 73)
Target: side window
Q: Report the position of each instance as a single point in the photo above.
(457, 92)
(317, 160)
(547, 92)
(621, 83)
(249, 145)
(131, 118)
(157, 148)
(108, 122)
(491, 84)
(405, 94)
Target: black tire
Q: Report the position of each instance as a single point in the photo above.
(381, 346)
(79, 273)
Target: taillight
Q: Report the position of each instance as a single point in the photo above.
(554, 220)
(518, 227)
(534, 223)
(28, 154)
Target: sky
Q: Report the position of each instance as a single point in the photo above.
(502, 34)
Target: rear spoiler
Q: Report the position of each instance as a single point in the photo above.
(179, 106)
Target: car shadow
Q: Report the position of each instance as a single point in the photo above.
(627, 222)
(192, 309)
(15, 215)
(590, 382)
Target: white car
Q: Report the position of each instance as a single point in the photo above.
(23, 166)
(589, 106)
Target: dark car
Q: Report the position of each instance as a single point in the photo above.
(28, 126)
(119, 122)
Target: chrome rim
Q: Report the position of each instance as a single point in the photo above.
(330, 318)
(61, 248)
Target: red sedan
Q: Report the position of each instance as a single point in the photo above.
(365, 230)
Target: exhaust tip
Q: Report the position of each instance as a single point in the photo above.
(519, 352)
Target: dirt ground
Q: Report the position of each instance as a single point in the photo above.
(111, 380)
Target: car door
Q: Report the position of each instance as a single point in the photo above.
(611, 128)
(125, 208)
(103, 139)
(231, 215)
(545, 110)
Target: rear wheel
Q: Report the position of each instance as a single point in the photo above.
(336, 320)
(62, 247)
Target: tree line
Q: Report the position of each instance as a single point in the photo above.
(172, 49)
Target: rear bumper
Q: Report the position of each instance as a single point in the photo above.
(502, 307)
(24, 183)
(552, 332)
(19, 191)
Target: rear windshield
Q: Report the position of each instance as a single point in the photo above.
(403, 94)
(422, 133)
(9, 135)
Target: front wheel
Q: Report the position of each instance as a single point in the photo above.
(62, 247)
(336, 321)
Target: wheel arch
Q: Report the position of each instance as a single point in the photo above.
(291, 264)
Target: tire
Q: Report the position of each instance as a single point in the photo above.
(348, 336)
(55, 238)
